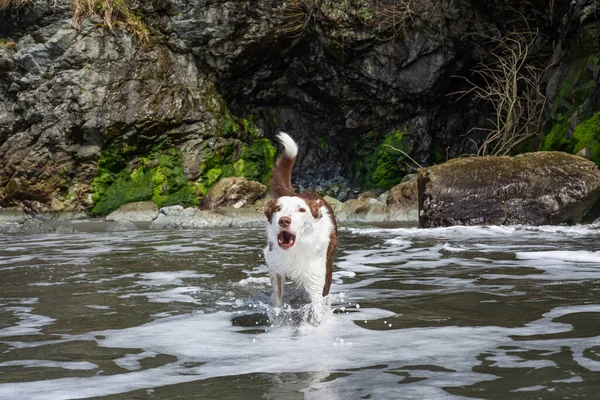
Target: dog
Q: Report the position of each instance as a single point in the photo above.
(301, 233)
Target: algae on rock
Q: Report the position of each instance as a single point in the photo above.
(158, 177)
(382, 167)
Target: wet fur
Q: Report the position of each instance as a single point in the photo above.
(309, 262)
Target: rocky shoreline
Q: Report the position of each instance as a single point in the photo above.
(146, 215)
(539, 188)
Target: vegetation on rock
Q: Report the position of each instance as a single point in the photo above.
(382, 167)
(158, 177)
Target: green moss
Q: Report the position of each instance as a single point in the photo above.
(253, 160)
(382, 167)
(158, 177)
(323, 142)
(587, 134)
(556, 139)
(578, 84)
(228, 124)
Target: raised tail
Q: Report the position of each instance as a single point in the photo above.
(281, 185)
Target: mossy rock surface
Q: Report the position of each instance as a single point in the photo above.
(584, 138)
(157, 177)
(382, 166)
(253, 161)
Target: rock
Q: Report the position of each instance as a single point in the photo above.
(353, 204)
(402, 203)
(336, 205)
(171, 210)
(373, 211)
(233, 191)
(121, 226)
(190, 218)
(340, 210)
(403, 195)
(382, 198)
(12, 214)
(31, 226)
(138, 211)
(247, 216)
(531, 189)
(369, 194)
(64, 230)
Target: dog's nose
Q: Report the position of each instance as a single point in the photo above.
(285, 222)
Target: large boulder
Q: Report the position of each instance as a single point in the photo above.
(233, 191)
(532, 189)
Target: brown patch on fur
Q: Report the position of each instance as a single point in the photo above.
(333, 239)
(281, 183)
(270, 209)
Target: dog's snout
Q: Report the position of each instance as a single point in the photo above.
(285, 222)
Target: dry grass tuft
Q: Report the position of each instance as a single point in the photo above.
(7, 44)
(388, 19)
(12, 3)
(113, 12)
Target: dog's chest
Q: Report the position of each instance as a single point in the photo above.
(300, 264)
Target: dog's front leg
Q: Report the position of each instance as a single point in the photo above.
(278, 284)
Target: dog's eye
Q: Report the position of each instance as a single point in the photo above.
(277, 209)
(302, 210)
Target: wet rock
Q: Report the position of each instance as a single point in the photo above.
(30, 226)
(137, 211)
(233, 191)
(171, 210)
(12, 215)
(250, 215)
(532, 189)
(64, 230)
(354, 204)
(382, 198)
(372, 211)
(403, 195)
(121, 226)
(369, 194)
(193, 218)
(336, 205)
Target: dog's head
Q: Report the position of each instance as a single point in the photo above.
(290, 217)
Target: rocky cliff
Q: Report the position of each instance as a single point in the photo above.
(158, 100)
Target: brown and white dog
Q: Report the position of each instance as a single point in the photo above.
(302, 233)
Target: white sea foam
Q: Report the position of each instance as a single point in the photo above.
(302, 349)
(28, 324)
(562, 255)
(69, 365)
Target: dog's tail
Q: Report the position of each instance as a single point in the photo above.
(281, 185)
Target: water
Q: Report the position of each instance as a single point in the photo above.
(479, 312)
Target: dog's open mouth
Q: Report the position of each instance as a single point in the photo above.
(285, 239)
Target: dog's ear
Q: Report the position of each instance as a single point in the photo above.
(269, 209)
(315, 208)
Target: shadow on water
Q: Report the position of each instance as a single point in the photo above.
(473, 312)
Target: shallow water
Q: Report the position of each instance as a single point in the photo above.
(467, 312)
